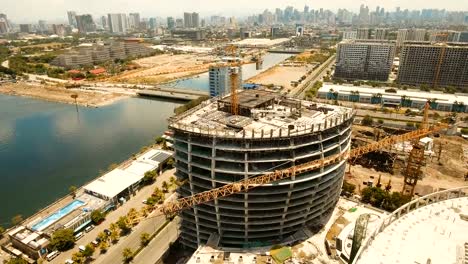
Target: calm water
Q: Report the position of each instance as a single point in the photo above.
(46, 147)
(200, 82)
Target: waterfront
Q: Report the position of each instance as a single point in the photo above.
(47, 147)
(200, 82)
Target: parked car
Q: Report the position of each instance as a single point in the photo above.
(82, 248)
(78, 236)
(89, 228)
(69, 261)
(108, 232)
(95, 243)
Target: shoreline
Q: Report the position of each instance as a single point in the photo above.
(62, 95)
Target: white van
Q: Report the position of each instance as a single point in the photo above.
(52, 255)
(81, 248)
(69, 261)
(78, 236)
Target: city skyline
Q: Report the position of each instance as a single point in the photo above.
(41, 10)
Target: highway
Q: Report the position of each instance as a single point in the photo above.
(312, 78)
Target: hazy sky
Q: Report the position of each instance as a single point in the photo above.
(55, 10)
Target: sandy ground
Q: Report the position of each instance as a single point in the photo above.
(166, 67)
(279, 75)
(448, 173)
(60, 94)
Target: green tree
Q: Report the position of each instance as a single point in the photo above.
(149, 177)
(159, 140)
(2, 229)
(144, 239)
(127, 255)
(170, 163)
(72, 191)
(165, 186)
(78, 257)
(367, 120)
(122, 223)
(16, 219)
(97, 216)
(62, 239)
(173, 181)
(88, 252)
(380, 121)
(348, 188)
(103, 246)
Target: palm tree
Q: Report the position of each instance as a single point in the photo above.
(127, 255)
(103, 246)
(132, 216)
(145, 239)
(165, 186)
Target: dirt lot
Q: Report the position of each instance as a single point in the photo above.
(166, 67)
(448, 173)
(60, 94)
(279, 75)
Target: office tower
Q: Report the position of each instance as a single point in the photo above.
(220, 81)
(134, 21)
(170, 23)
(26, 28)
(85, 23)
(72, 18)
(4, 25)
(59, 30)
(436, 65)
(187, 20)
(195, 20)
(364, 60)
(117, 23)
(104, 22)
(42, 26)
(179, 23)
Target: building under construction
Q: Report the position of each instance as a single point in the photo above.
(214, 147)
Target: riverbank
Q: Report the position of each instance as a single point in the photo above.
(61, 95)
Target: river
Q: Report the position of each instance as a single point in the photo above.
(46, 147)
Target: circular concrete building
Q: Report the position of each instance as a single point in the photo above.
(214, 148)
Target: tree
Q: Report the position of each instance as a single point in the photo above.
(2, 229)
(132, 216)
(127, 255)
(88, 252)
(367, 120)
(380, 121)
(62, 239)
(72, 191)
(97, 216)
(17, 219)
(145, 239)
(78, 258)
(159, 140)
(165, 186)
(149, 177)
(170, 163)
(173, 180)
(103, 246)
(348, 188)
(122, 223)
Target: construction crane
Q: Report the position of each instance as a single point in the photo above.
(234, 78)
(245, 185)
(439, 66)
(416, 159)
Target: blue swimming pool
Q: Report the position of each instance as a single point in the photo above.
(46, 222)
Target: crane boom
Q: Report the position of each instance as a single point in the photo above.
(253, 182)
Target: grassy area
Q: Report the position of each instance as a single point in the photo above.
(190, 105)
(312, 91)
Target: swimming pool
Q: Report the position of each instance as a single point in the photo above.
(46, 222)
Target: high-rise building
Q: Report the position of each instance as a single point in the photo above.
(179, 23)
(134, 21)
(220, 81)
(187, 20)
(266, 135)
(59, 30)
(414, 34)
(444, 36)
(72, 18)
(42, 26)
(438, 65)
(153, 23)
(104, 22)
(299, 29)
(367, 60)
(363, 33)
(85, 23)
(170, 23)
(380, 33)
(26, 28)
(195, 20)
(117, 23)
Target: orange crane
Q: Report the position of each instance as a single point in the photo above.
(245, 185)
(234, 78)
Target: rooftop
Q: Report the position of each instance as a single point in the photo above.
(435, 233)
(261, 114)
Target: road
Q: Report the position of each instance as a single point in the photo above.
(160, 244)
(312, 78)
(145, 226)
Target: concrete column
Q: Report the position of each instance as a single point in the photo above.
(246, 195)
(213, 183)
(192, 191)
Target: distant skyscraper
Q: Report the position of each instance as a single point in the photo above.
(170, 23)
(187, 20)
(85, 23)
(59, 30)
(380, 33)
(413, 34)
(220, 81)
(134, 21)
(26, 28)
(117, 23)
(72, 18)
(42, 26)
(363, 33)
(4, 25)
(104, 22)
(195, 20)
